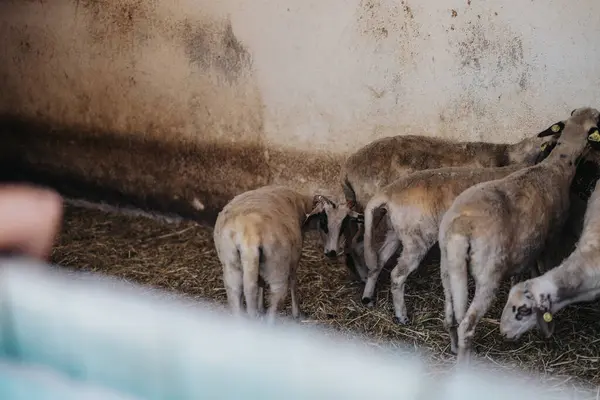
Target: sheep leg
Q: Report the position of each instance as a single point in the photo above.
(261, 300)
(277, 295)
(449, 317)
(261, 295)
(232, 275)
(349, 233)
(357, 251)
(484, 295)
(352, 248)
(357, 257)
(414, 249)
(389, 247)
(454, 268)
(296, 314)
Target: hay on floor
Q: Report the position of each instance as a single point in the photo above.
(181, 257)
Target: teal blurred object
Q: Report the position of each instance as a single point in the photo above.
(78, 336)
(19, 382)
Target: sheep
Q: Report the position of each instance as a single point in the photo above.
(258, 237)
(501, 227)
(414, 206)
(577, 279)
(384, 160)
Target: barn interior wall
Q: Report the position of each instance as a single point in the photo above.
(186, 103)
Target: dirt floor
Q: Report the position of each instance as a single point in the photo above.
(180, 257)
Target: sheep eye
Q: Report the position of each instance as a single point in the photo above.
(524, 310)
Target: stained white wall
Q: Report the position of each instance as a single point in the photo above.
(342, 72)
(316, 76)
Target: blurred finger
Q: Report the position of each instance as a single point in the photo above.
(30, 219)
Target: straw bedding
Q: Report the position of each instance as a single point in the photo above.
(180, 257)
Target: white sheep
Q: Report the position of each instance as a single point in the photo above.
(414, 207)
(499, 228)
(382, 161)
(258, 236)
(577, 279)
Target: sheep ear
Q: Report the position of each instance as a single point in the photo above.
(545, 150)
(552, 130)
(318, 206)
(593, 138)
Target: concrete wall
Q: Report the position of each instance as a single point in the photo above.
(183, 99)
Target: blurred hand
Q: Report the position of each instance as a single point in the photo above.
(30, 219)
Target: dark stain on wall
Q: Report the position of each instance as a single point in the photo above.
(492, 57)
(110, 19)
(123, 67)
(379, 19)
(501, 54)
(28, 40)
(224, 53)
(473, 47)
(112, 134)
(407, 10)
(130, 23)
(148, 174)
(168, 177)
(524, 80)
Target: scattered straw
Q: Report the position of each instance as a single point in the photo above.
(181, 258)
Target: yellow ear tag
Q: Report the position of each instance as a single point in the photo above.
(594, 137)
(555, 128)
(547, 317)
(544, 146)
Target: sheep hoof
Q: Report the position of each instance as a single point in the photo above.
(400, 320)
(368, 302)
